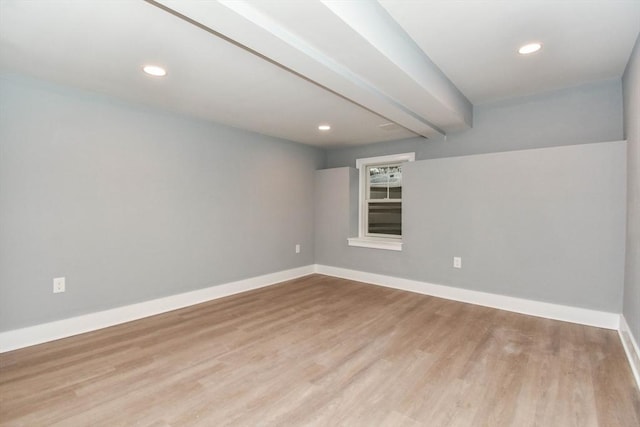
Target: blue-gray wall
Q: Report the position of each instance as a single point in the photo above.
(579, 115)
(131, 204)
(631, 85)
(531, 220)
(545, 224)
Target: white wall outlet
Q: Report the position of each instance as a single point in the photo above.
(298, 248)
(457, 262)
(58, 285)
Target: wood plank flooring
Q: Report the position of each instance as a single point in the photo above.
(321, 351)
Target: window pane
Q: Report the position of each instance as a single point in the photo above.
(385, 218)
(378, 182)
(395, 182)
(385, 182)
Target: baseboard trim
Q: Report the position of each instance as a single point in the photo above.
(583, 316)
(631, 348)
(38, 334)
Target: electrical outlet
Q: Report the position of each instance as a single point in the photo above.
(298, 248)
(58, 285)
(457, 262)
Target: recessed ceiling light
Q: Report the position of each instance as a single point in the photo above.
(154, 70)
(324, 127)
(529, 48)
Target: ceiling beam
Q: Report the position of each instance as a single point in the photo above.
(373, 23)
(437, 107)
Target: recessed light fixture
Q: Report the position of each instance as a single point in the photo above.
(530, 48)
(324, 127)
(154, 70)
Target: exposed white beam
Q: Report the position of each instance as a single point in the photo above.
(388, 90)
(373, 23)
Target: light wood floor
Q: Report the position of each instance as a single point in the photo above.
(325, 351)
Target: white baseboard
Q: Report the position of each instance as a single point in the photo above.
(24, 337)
(583, 316)
(631, 348)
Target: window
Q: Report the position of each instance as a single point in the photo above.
(380, 202)
(383, 200)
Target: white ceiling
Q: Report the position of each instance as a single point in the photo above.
(474, 42)
(282, 67)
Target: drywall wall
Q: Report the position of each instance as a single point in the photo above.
(579, 115)
(545, 224)
(131, 204)
(631, 87)
(336, 193)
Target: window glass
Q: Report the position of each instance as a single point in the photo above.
(378, 182)
(385, 218)
(395, 182)
(385, 182)
(383, 206)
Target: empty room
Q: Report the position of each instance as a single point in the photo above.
(320, 213)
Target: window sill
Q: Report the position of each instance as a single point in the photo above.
(376, 243)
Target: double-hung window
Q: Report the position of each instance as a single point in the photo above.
(380, 201)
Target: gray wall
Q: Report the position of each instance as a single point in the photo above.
(545, 224)
(131, 204)
(631, 85)
(579, 115)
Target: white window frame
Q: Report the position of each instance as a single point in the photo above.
(393, 243)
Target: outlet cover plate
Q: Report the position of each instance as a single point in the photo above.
(58, 285)
(457, 262)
